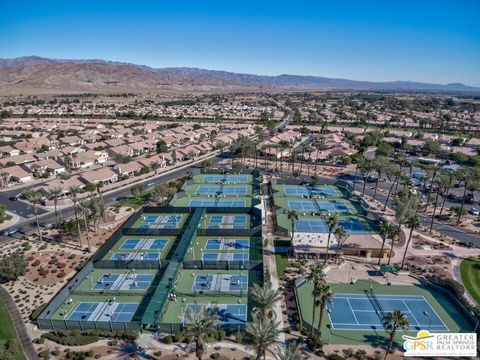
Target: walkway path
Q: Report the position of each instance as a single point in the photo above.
(20, 328)
(269, 259)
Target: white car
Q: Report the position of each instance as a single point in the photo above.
(474, 211)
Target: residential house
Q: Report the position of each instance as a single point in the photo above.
(103, 175)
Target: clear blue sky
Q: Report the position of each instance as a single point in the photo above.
(432, 41)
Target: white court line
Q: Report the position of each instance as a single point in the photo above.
(438, 317)
(350, 306)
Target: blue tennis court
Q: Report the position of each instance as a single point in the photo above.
(227, 244)
(225, 179)
(201, 203)
(228, 219)
(307, 191)
(106, 311)
(135, 256)
(221, 189)
(203, 282)
(231, 203)
(225, 256)
(123, 282)
(366, 311)
(318, 206)
(213, 244)
(158, 244)
(144, 244)
(352, 226)
(229, 314)
(238, 282)
(311, 225)
(130, 244)
(226, 226)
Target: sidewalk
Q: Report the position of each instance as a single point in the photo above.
(269, 260)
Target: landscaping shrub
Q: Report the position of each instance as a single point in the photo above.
(65, 338)
(44, 354)
(215, 355)
(36, 263)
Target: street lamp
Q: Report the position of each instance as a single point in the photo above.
(429, 319)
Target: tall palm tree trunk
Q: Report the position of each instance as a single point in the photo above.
(86, 230)
(406, 247)
(384, 239)
(314, 313)
(328, 247)
(434, 209)
(319, 327)
(390, 342)
(79, 231)
(38, 224)
(463, 204)
(389, 194)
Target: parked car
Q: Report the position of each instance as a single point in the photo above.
(150, 184)
(47, 225)
(11, 231)
(474, 211)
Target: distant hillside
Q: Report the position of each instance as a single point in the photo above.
(34, 74)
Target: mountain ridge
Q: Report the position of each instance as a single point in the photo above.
(36, 74)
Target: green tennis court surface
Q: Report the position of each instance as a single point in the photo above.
(354, 315)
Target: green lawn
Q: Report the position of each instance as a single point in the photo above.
(470, 272)
(137, 201)
(5, 217)
(282, 263)
(7, 332)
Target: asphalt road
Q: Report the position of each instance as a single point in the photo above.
(437, 226)
(29, 226)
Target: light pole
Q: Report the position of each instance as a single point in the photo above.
(429, 319)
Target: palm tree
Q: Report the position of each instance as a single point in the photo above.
(289, 352)
(262, 333)
(265, 297)
(392, 170)
(94, 210)
(405, 205)
(433, 171)
(392, 322)
(394, 232)
(379, 165)
(463, 175)
(446, 190)
(366, 168)
(292, 215)
(35, 198)
(200, 323)
(54, 193)
(441, 182)
(332, 222)
(326, 297)
(413, 223)
(74, 190)
(84, 209)
(385, 230)
(341, 234)
(317, 278)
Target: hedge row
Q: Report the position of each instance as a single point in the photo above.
(77, 337)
